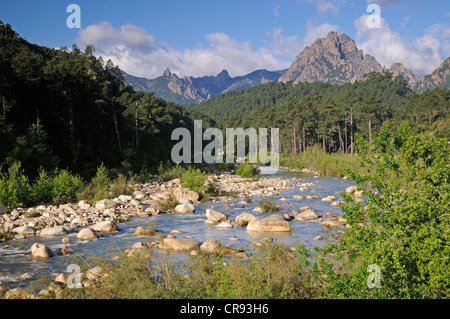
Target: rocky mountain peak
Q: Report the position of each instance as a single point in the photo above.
(438, 78)
(334, 59)
(167, 73)
(223, 75)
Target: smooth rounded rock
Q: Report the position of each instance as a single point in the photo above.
(87, 233)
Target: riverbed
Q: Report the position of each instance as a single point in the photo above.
(15, 261)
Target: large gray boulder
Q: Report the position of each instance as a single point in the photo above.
(25, 230)
(54, 231)
(182, 193)
(181, 244)
(87, 233)
(105, 204)
(215, 216)
(185, 208)
(243, 219)
(107, 226)
(41, 251)
(306, 215)
(269, 225)
(211, 246)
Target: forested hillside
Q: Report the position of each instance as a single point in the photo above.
(66, 108)
(331, 115)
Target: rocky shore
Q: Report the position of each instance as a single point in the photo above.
(89, 220)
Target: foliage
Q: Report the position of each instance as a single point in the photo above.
(194, 179)
(404, 228)
(65, 186)
(316, 160)
(268, 206)
(246, 170)
(120, 186)
(42, 190)
(170, 172)
(270, 272)
(14, 187)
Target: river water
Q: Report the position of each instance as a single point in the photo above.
(16, 260)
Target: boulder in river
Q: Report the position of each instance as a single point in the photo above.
(180, 244)
(182, 193)
(25, 230)
(243, 219)
(185, 208)
(211, 246)
(306, 215)
(107, 226)
(269, 225)
(141, 231)
(54, 231)
(87, 233)
(215, 216)
(41, 251)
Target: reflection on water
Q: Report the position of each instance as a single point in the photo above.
(15, 260)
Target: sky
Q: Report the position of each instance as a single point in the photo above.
(203, 37)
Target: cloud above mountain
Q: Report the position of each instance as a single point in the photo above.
(140, 53)
(422, 55)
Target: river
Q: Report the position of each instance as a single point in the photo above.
(16, 260)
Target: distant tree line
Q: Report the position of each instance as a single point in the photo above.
(330, 115)
(66, 108)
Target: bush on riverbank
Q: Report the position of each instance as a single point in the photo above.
(316, 160)
(246, 170)
(398, 243)
(16, 189)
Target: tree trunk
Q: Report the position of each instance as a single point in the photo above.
(116, 126)
(137, 129)
(352, 148)
(304, 138)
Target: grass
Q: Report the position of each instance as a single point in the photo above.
(268, 206)
(315, 159)
(271, 272)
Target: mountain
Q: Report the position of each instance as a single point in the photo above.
(438, 78)
(187, 90)
(334, 59)
(399, 69)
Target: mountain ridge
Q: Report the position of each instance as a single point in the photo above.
(187, 90)
(334, 59)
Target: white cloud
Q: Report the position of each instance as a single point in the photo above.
(326, 6)
(139, 53)
(388, 47)
(314, 31)
(385, 3)
(276, 8)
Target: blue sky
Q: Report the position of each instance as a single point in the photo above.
(199, 37)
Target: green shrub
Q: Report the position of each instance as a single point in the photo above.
(66, 186)
(120, 186)
(268, 206)
(100, 184)
(169, 171)
(194, 179)
(42, 189)
(14, 187)
(405, 223)
(246, 170)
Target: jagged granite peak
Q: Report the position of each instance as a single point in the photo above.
(334, 59)
(167, 73)
(195, 90)
(438, 78)
(398, 69)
